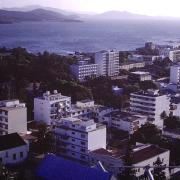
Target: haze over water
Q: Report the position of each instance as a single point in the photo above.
(87, 36)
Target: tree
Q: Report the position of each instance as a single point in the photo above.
(128, 173)
(163, 115)
(147, 133)
(158, 172)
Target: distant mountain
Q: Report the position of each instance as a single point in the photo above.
(124, 15)
(117, 15)
(76, 15)
(34, 15)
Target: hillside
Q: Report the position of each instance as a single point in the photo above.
(34, 15)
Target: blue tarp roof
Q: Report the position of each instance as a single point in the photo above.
(58, 168)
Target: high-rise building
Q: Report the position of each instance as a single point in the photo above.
(13, 117)
(152, 104)
(76, 137)
(50, 107)
(108, 63)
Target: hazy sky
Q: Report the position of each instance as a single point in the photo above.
(148, 7)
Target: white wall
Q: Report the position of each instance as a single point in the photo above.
(9, 159)
(97, 139)
(17, 120)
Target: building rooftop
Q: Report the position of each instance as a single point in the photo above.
(53, 167)
(125, 116)
(140, 73)
(149, 92)
(11, 141)
(86, 101)
(146, 153)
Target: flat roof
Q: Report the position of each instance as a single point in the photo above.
(125, 116)
(11, 108)
(141, 73)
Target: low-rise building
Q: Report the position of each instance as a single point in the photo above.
(142, 155)
(51, 106)
(140, 76)
(125, 121)
(83, 70)
(76, 137)
(13, 117)
(150, 103)
(13, 149)
(131, 65)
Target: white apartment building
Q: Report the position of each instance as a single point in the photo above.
(83, 69)
(108, 63)
(175, 74)
(152, 104)
(76, 137)
(13, 149)
(13, 117)
(174, 55)
(142, 155)
(51, 106)
(125, 121)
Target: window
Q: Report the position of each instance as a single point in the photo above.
(73, 140)
(21, 154)
(82, 150)
(0, 159)
(6, 154)
(72, 132)
(83, 143)
(73, 154)
(73, 147)
(14, 156)
(83, 157)
(83, 135)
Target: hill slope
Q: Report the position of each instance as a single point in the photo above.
(34, 15)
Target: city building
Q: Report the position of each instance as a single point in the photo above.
(51, 106)
(152, 104)
(13, 149)
(130, 65)
(140, 76)
(142, 155)
(55, 167)
(175, 74)
(174, 55)
(13, 117)
(108, 63)
(76, 137)
(125, 121)
(83, 70)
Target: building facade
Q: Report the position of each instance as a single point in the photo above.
(13, 117)
(174, 55)
(51, 106)
(76, 137)
(175, 74)
(83, 70)
(108, 63)
(152, 104)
